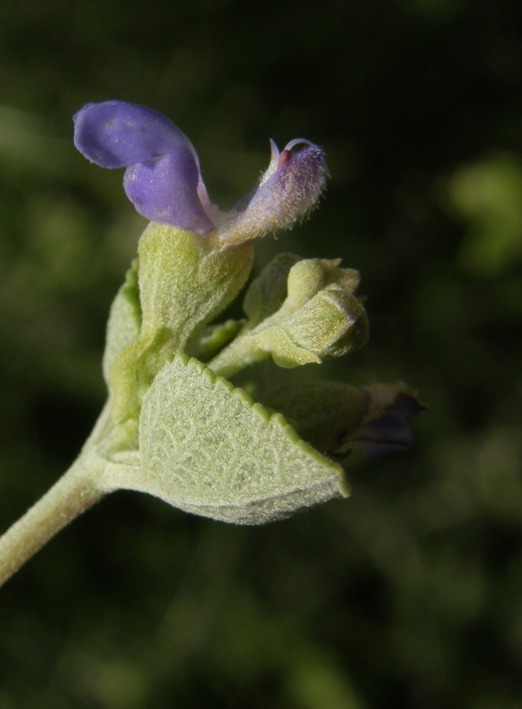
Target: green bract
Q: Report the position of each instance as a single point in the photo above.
(225, 456)
(299, 312)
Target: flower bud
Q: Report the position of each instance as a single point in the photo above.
(299, 312)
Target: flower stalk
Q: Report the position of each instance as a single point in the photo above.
(74, 493)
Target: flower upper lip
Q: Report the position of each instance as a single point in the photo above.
(163, 177)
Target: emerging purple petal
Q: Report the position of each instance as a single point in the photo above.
(163, 178)
(385, 429)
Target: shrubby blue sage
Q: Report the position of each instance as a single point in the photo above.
(214, 417)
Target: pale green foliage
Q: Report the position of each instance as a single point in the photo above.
(299, 312)
(184, 283)
(175, 428)
(180, 431)
(330, 415)
(181, 286)
(215, 338)
(124, 320)
(207, 448)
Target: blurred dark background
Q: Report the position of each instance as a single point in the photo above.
(408, 594)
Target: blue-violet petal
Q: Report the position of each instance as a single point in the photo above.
(163, 178)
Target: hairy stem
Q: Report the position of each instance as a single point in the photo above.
(75, 492)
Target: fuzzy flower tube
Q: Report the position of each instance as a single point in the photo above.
(177, 424)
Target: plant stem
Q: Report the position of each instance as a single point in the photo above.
(240, 353)
(75, 492)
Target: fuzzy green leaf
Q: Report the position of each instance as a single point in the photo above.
(207, 448)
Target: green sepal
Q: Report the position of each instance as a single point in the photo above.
(267, 292)
(290, 278)
(208, 448)
(124, 320)
(181, 285)
(331, 415)
(299, 312)
(184, 284)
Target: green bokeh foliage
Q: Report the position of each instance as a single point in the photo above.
(408, 594)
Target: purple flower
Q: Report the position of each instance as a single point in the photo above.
(385, 429)
(163, 178)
